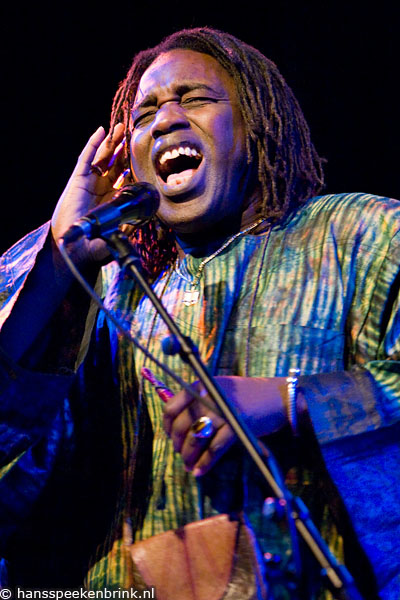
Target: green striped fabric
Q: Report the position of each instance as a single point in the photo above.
(314, 294)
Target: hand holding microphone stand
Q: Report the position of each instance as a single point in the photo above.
(136, 204)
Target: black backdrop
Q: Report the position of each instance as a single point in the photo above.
(62, 62)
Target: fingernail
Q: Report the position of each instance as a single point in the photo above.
(101, 128)
(120, 181)
(118, 148)
(164, 393)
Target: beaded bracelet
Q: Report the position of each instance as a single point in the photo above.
(292, 398)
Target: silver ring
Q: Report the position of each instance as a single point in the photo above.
(203, 428)
(97, 170)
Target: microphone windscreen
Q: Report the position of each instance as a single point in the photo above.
(170, 345)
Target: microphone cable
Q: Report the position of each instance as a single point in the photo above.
(122, 327)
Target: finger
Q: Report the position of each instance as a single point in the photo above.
(180, 429)
(193, 447)
(174, 407)
(88, 153)
(220, 443)
(122, 180)
(105, 152)
(118, 154)
(119, 171)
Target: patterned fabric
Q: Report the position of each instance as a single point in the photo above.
(320, 294)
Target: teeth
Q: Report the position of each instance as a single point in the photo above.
(169, 154)
(166, 156)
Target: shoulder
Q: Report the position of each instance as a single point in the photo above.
(355, 205)
(359, 215)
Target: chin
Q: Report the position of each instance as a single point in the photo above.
(184, 218)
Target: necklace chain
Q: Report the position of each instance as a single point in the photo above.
(191, 296)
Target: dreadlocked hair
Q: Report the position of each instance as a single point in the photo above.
(278, 142)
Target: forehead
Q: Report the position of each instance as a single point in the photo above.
(178, 68)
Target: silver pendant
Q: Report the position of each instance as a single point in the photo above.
(190, 297)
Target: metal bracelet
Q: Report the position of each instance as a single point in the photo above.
(292, 399)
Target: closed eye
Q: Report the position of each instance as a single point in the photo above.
(199, 100)
(144, 118)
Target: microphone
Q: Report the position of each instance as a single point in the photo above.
(134, 204)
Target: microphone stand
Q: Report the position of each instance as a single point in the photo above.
(336, 576)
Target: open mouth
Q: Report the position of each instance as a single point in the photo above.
(177, 164)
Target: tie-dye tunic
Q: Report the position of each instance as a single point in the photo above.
(319, 294)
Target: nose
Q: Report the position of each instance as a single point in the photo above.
(169, 117)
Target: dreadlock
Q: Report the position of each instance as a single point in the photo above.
(277, 135)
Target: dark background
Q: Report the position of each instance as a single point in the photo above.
(62, 62)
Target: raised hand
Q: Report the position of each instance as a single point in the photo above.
(98, 168)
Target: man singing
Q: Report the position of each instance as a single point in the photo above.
(265, 276)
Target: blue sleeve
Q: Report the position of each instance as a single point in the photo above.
(15, 266)
(34, 421)
(356, 419)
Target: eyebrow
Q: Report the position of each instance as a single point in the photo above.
(181, 90)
